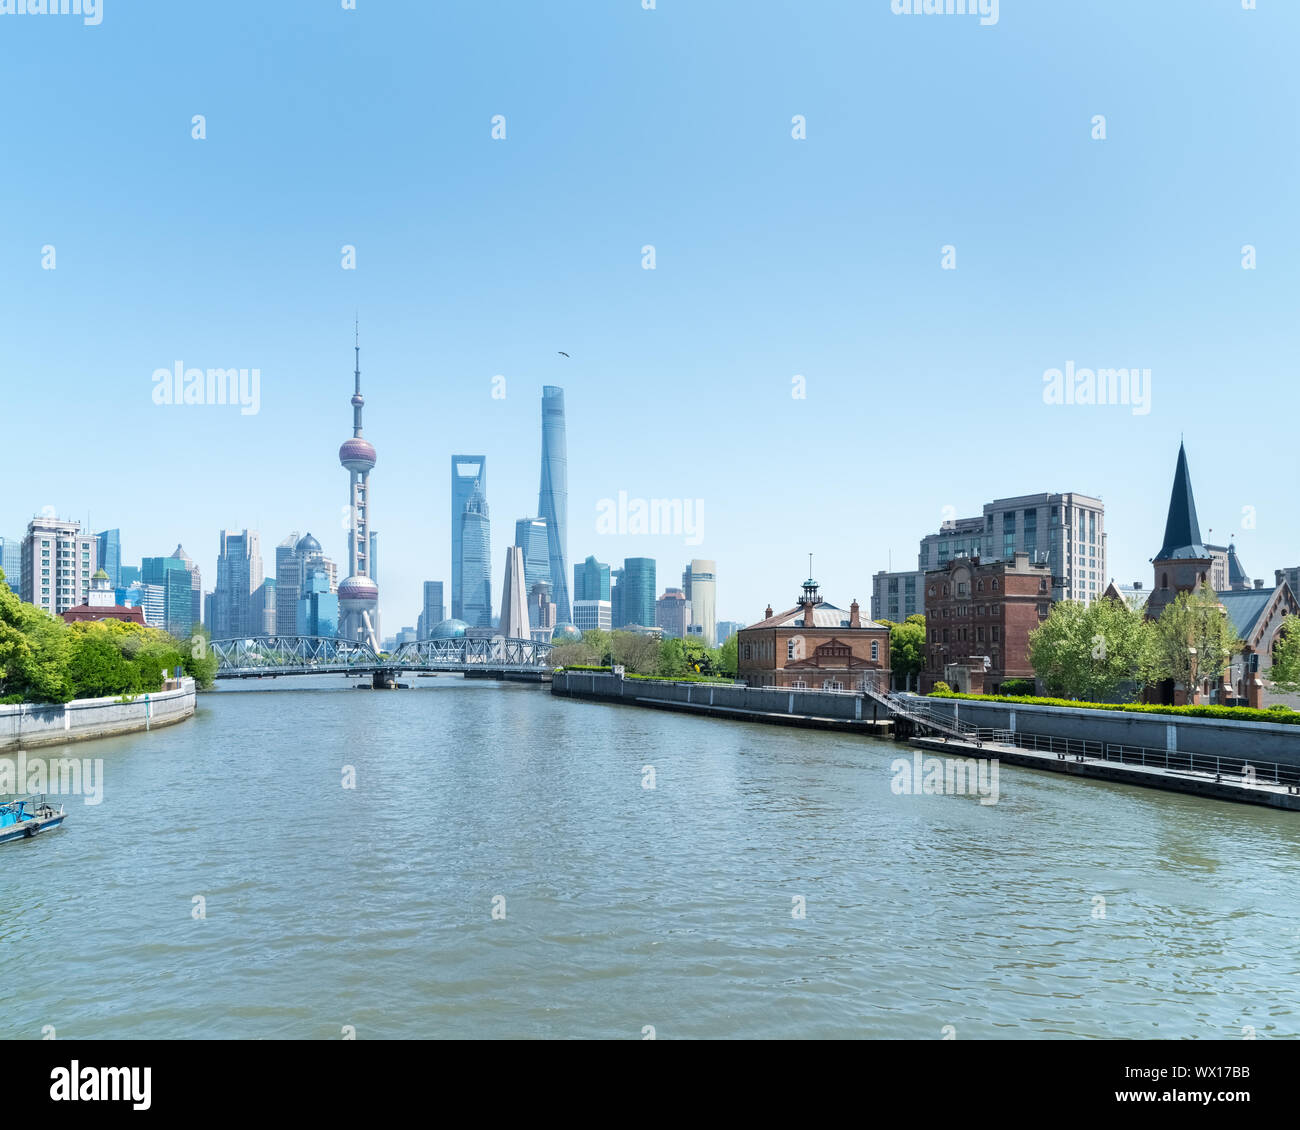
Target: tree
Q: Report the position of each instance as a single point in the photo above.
(907, 647)
(1088, 652)
(729, 657)
(1192, 642)
(201, 663)
(638, 653)
(672, 658)
(1285, 672)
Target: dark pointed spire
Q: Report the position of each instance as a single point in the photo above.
(1182, 529)
(1237, 578)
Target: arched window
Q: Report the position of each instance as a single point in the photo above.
(1164, 580)
(875, 651)
(979, 587)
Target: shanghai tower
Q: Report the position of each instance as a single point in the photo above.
(358, 593)
(553, 498)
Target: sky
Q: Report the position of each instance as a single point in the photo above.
(782, 266)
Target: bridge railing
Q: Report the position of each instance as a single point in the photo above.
(304, 654)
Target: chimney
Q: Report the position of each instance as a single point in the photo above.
(855, 620)
(1137, 584)
(808, 607)
(768, 614)
(1258, 583)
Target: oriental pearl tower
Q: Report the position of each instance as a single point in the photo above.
(358, 594)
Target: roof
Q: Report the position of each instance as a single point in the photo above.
(1136, 598)
(1246, 608)
(133, 613)
(1236, 574)
(1182, 528)
(825, 615)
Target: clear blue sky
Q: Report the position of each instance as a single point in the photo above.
(775, 257)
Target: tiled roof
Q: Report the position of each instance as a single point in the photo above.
(1245, 608)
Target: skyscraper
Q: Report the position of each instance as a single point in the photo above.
(638, 589)
(514, 601)
(171, 575)
(358, 594)
(591, 580)
(239, 573)
(673, 613)
(110, 554)
(11, 561)
(196, 583)
(553, 497)
(530, 536)
(701, 590)
(617, 592)
(434, 611)
(288, 584)
(476, 561)
(467, 471)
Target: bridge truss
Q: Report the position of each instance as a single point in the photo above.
(320, 655)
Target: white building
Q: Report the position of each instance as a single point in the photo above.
(589, 614)
(58, 561)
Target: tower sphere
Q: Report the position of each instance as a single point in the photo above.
(357, 454)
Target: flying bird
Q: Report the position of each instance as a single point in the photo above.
(562, 353)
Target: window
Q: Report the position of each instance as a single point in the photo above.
(961, 588)
(979, 635)
(994, 631)
(789, 649)
(932, 590)
(995, 584)
(979, 587)
(748, 651)
(875, 651)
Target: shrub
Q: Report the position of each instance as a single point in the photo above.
(1283, 715)
(942, 688)
(1017, 686)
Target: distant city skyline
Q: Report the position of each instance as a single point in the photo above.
(799, 295)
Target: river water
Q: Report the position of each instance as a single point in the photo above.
(500, 870)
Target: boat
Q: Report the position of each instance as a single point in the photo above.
(26, 817)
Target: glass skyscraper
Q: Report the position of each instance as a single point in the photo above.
(11, 561)
(591, 580)
(467, 472)
(530, 536)
(110, 555)
(638, 588)
(172, 576)
(476, 561)
(553, 498)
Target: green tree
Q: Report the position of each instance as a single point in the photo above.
(201, 663)
(672, 658)
(1089, 651)
(1191, 644)
(729, 657)
(97, 668)
(907, 648)
(1285, 672)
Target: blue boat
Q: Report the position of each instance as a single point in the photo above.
(22, 819)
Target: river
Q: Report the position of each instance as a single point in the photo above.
(500, 870)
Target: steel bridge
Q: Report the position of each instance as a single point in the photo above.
(272, 656)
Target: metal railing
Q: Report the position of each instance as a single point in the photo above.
(1210, 765)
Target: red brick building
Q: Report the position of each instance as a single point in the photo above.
(814, 646)
(978, 616)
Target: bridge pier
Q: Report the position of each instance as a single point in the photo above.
(383, 680)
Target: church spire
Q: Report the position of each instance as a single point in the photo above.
(1182, 528)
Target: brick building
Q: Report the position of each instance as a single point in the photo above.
(978, 616)
(814, 645)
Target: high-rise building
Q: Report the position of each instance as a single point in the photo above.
(591, 581)
(263, 607)
(196, 583)
(530, 536)
(616, 594)
(1290, 576)
(11, 562)
(591, 614)
(673, 614)
(171, 575)
(128, 575)
(239, 573)
(434, 612)
(639, 591)
(514, 599)
(553, 496)
(358, 594)
(317, 610)
(152, 599)
(896, 596)
(541, 611)
(110, 554)
(467, 473)
(58, 561)
(1065, 530)
(475, 562)
(288, 584)
(727, 629)
(700, 583)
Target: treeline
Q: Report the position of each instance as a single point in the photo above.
(1108, 650)
(45, 659)
(645, 655)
